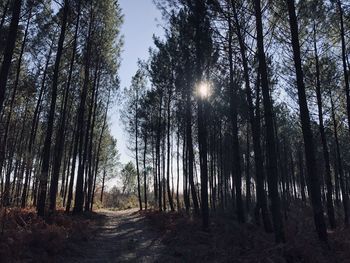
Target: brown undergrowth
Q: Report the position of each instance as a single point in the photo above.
(228, 241)
(25, 237)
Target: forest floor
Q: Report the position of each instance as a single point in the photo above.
(102, 236)
(122, 236)
(229, 241)
(151, 236)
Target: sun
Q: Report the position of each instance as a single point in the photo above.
(204, 89)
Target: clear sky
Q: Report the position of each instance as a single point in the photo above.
(141, 21)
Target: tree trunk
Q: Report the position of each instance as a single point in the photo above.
(185, 173)
(171, 203)
(236, 168)
(306, 128)
(79, 190)
(100, 141)
(270, 138)
(137, 150)
(178, 170)
(345, 195)
(344, 60)
(12, 100)
(73, 164)
(247, 174)
(255, 126)
(70, 154)
(59, 143)
(330, 208)
(103, 185)
(51, 115)
(144, 169)
(89, 141)
(10, 46)
(301, 175)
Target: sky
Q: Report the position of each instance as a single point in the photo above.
(141, 22)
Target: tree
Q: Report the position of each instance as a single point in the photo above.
(131, 116)
(307, 132)
(51, 115)
(129, 179)
(10, 46)
(271, 144)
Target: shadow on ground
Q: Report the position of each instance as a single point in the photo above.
(122, 236)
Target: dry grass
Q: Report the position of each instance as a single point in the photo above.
(28, 238)
(229, 241)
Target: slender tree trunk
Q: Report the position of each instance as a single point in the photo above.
(178, 169)
(336, 178)
(201, 48)
(12, 100)
(344, 60)
(163, 172)
(306, 128)
(171, 202)
(330, 208)
(100, 142)
(293, 176)
(237, 170)
(270, 138)
(191, 154)
(48, 138)
(137, 150)
(10, 46)
(154, 168)
(103, 185)
(94, 172)
(59, 143)
(185, 173)
(255, 125)
(144, 169)
(345, 195)
(70, 154)
(89, 141)
(33, 132)
(73, 164)
(301, 175)
(79, 190)
(248, 182)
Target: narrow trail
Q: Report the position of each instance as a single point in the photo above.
(124, 236)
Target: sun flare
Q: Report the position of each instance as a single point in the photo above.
(204, 89)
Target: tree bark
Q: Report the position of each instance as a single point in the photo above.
(270, 138)
(137, 150)
(12, 100)
(344, 60)
(314, 183)
(236, 168)
(60, 141)
(171, 203)
(10, 46)
(330, 208)
(255, 126)
(48, 138)
(344, 192)
(144, 169)
(79, 190)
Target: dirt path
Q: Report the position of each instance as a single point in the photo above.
(124, 236)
